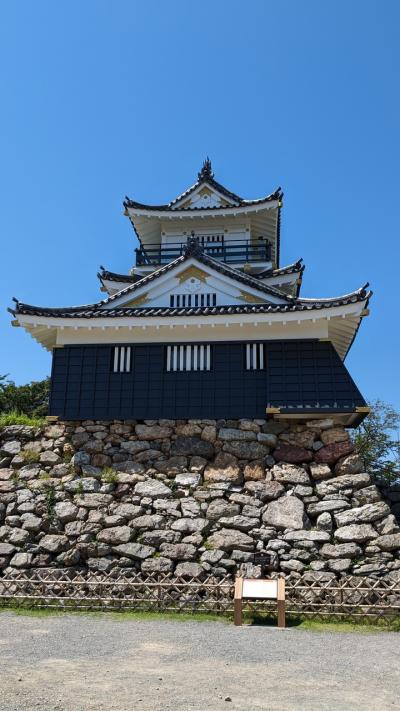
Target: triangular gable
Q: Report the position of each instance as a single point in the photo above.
(208, 275)
(201, 196)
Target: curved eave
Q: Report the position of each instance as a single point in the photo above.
(341, 319)
(133, 209)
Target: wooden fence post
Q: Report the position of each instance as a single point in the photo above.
(237, 603)
(281, 603)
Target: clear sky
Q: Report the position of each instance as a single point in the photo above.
(102, 99)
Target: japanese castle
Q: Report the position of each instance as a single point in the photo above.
(206, 325)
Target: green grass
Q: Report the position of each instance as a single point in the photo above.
(250, 619)
(18, 418)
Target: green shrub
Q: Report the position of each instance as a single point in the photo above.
(109, 475)
(19, 418)
(30, 456)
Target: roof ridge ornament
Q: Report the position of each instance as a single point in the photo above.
(193, 247)
(206, 172)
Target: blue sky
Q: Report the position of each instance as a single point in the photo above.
(103, 99)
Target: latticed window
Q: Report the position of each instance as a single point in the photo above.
(255, 356)
(122, 359)
(189, 357)
(190, 300)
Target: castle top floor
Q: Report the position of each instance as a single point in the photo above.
(229, 228)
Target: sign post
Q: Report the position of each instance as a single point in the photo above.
(261, 589)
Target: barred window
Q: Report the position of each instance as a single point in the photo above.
(255, 356)
(190, 300)
(122, 359)
(193, 357)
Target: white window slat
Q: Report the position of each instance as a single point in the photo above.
(168, 358)
(201, 348)
(188, 358)
(195, 349)
(175, 361)
(248, 356)
(208, 362)
(116, 359)
(181, 357)
(128, 360)
(261, 348)
(122, 359)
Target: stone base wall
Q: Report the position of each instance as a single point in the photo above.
(192, 497)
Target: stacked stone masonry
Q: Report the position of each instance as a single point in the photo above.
(194, 497)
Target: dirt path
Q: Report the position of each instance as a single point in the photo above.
(76, 663)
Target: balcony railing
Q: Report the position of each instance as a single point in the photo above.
(228, 252)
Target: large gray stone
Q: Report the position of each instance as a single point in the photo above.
(359, 533)
(229, 540)
(148, 521)
(158, 536)
(54, 543)
(93, 501)
(339, 483)
(49, 457)
(86, 485)
(313, 536)
(157, 565)
(65, 511)
(219, 508)
(153, 488)
(30, 522)
(192, 446)
(187, 479)
(114, 536)
(134, 446)
(290, 474)
(230, 435)
(264, 490)
(6, 549)
(286, 512)
(224, 468)
(137, 551)
(341, 550)
(147, 432)
(389, 542)
(327, 505)
(352, 464)
(10, 449)
(21, 560)
(320, 471)
(190, 525)
(246, 450)
(363, 514)
(178, 551)
(189, 570)
(241, 523)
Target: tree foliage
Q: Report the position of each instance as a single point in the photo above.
(30, 399)
(377, 440)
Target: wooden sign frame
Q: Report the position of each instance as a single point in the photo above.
(275, 590)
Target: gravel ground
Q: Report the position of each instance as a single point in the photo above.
(77, 663)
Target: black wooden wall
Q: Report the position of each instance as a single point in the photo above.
(298, 373)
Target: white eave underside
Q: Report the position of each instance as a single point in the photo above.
(338, 324)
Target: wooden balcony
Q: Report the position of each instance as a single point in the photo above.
(230, 252)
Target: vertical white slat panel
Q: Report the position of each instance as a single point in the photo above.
(201, 348)
(195, 349)
(168, 359)
(208, 361)
(116, 359)
(248, 358)
(128, 360)
(261, 347)
(181, 358)
(254, 356)
(188, 357)
(122, 359)
(175, 360)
